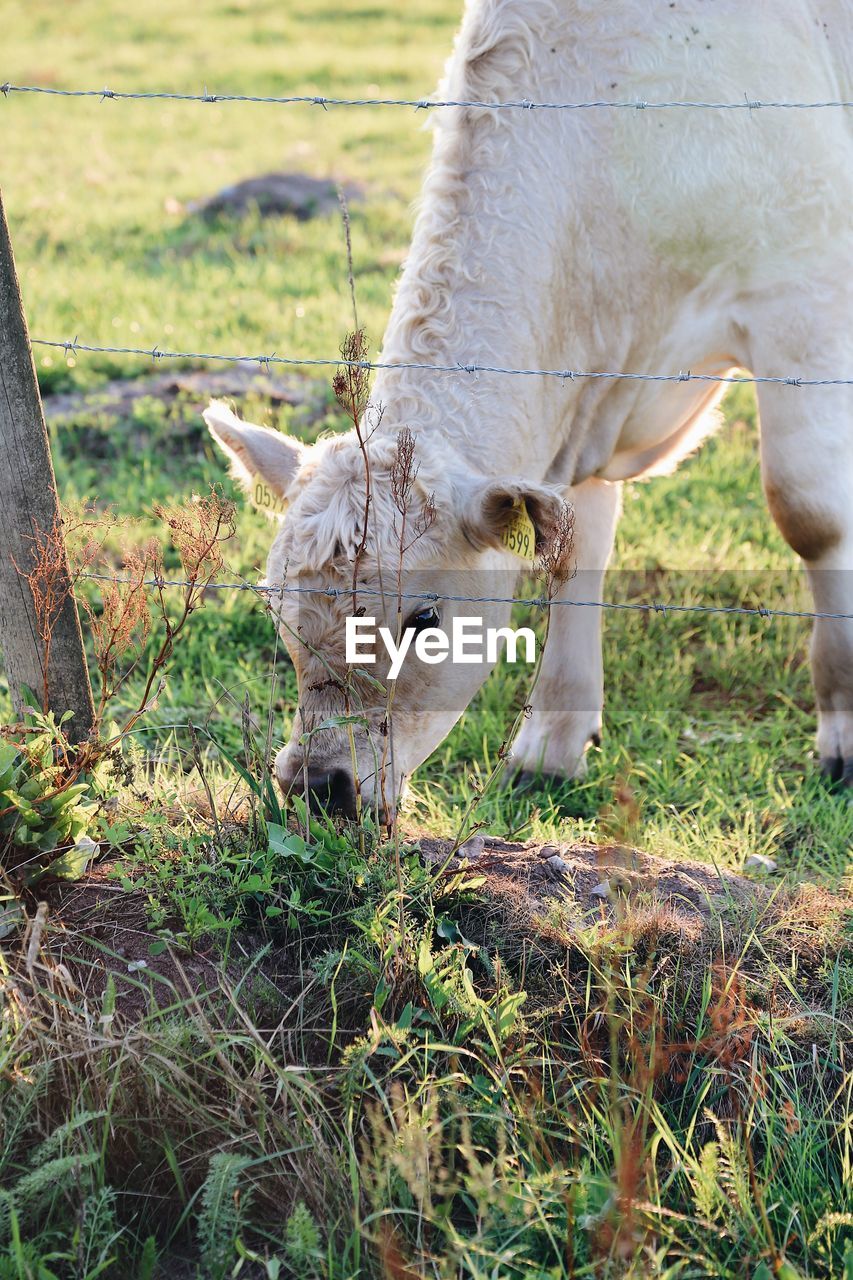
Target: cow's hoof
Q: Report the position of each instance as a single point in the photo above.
(838, 771)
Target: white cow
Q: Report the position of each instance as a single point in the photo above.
(602, 239)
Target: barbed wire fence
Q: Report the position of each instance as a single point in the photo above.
(418, 104)
(435, 597)
(155, 353)
(462, 366)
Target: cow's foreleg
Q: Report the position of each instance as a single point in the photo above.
(566, 704)
(807, 467)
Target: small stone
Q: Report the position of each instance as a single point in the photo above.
(11, 919)
(601, 890)
(549, 850)
(472, 848)
(761, 864)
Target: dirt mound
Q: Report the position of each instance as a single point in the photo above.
(546, 909)
(297, 194)
(117, 398)
(596, 878)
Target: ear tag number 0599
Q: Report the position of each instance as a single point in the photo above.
(519, 535)
(265, 498)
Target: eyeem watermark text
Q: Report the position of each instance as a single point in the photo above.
(469, 642)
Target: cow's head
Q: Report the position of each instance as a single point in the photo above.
(433, 526)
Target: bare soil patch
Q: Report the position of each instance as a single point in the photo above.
(98, 929)
(117, 398)
(595, 878)
(297, 194)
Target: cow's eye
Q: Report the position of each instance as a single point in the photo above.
(423, 619)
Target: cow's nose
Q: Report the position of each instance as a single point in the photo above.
(333, 790)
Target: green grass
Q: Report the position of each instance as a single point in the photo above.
(86, 185)
(351, 1065)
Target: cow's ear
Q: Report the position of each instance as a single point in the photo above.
(255, 451)
(498, 513)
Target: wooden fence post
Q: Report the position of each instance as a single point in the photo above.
(29, 505)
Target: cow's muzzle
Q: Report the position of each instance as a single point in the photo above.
(330, 789)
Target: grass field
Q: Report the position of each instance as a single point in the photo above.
(318, 1058)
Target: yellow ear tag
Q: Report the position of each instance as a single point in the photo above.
(519, 535)
(265, 498)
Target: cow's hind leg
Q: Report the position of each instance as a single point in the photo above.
(566, 705)
(807, 468)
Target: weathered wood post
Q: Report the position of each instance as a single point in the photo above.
(29, 505)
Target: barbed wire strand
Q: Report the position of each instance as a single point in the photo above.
(433, 597)
(566, 375)
(419, 104)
